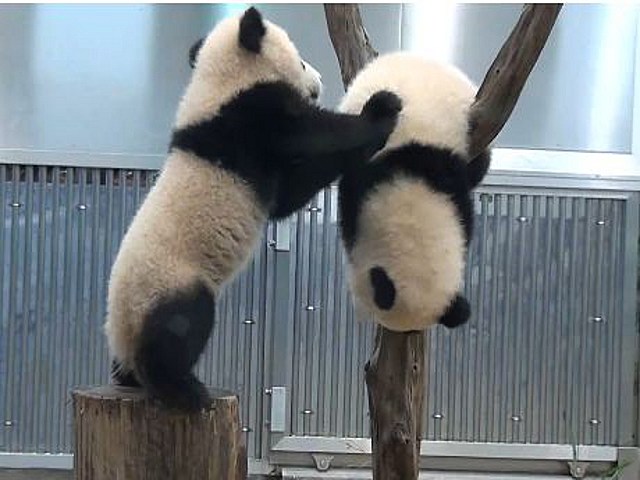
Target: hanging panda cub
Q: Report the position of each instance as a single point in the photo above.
(406, 217)
(248, 145)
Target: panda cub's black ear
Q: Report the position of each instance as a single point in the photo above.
(252, 30)
(193, 52)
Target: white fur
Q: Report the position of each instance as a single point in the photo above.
(223, 69)
(436, 98)
(410, 230)
(173, 239)
(199, 222)
(413, 233)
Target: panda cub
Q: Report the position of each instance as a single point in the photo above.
(406, 217)
(248, 145)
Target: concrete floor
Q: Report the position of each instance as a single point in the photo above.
(47, 475)
(36, 475)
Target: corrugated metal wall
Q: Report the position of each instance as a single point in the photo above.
(542, 361)
(61, 228)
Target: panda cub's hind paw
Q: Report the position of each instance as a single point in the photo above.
(382, 105)
(457, 313)
(189, 395)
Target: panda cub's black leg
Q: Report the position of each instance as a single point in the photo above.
(384, 290)
(457, 313)
(173, 337)
(121, 376)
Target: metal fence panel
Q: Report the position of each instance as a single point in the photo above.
(61, 228)
(540, 361)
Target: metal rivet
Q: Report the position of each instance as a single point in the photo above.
(597, 319)
(249, 321)
(16, 204)
(129, 173)
(516, 418)
(271, 243)
(600, 222)
(438, 416)
(268, 391)
(8, 423)
(246, 429)
(315, 209)
(522, 219)
(310, 308)
(594, 421)
(82, 207)
(307, 411)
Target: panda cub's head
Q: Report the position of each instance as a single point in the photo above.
(436, 99)
(239, 53)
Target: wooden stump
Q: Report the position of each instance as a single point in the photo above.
(121, 434)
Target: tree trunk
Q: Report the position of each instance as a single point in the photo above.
(395, 372)
(395, 382)
(121, 434)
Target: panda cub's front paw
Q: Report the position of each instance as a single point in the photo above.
(383, 105)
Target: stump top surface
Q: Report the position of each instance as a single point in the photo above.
(115, 392)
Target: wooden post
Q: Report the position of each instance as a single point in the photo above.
(121, 434)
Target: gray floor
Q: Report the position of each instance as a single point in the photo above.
(46, 475)
(36, 475)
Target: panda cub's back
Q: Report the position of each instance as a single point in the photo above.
(425, 259)
(177, 238)
(436, 98)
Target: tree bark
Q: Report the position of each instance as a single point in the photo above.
(395, 377)
(121, 434)
(349, 39)
(395, 374)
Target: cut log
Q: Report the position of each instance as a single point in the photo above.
(122, 434)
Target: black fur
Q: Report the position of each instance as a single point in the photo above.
(438, 168)
(122, 377)
(173, 336)
(457, 313)
(286, 148)
(193, 52)
(252, 30)
(384, 290)
(478, 168)
(382, 105)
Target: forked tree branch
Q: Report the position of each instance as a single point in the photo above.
(508, 73)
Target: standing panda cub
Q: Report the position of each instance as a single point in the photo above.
(248, 145)
(407, 216)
